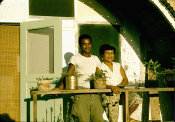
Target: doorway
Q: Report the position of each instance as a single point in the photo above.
(102, 34)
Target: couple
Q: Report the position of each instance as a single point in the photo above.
(89, 106)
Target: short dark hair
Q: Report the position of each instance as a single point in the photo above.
(105, 47)
(84, 36)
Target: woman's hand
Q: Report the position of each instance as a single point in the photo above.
(115, 89)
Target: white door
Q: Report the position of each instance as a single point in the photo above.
(40, 55)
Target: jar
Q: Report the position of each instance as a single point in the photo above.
(71, 82)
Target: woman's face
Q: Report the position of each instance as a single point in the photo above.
(108, 55)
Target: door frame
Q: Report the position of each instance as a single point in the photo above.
(26, 78)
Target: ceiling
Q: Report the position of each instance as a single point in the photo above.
(154, 29)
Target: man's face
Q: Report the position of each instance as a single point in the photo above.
(86, 45)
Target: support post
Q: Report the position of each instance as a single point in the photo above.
(35, 108)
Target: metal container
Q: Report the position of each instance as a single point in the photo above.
(71, 82)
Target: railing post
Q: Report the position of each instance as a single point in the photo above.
(35, 108)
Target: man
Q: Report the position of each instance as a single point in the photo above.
(85, 106)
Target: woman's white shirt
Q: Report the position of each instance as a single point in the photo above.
(113, 77)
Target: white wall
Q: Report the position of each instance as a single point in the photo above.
(18, 11)
(68, 41)
(14, 10)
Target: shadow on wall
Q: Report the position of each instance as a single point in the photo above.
(5, 118)
(67, 57)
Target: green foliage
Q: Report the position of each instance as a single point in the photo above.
(169, 71)
(161, 73)
(43, 78)
(98, 75)
(34, 89)
(75, 73)
(153, 66)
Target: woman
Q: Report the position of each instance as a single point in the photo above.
(116, 78)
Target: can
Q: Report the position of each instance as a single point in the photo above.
(71, 82)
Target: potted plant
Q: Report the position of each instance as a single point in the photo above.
(152, 68)
(170, 77)
(99, 80)
(44, 83)
(71, 80)
(156, 74)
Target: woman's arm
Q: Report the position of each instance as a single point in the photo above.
(125, 79)
(115, 89)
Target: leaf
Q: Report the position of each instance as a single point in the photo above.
(151, 61)
(158, 65)
(156, 62)
(75, 73)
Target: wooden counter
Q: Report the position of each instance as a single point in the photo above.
(126, 90)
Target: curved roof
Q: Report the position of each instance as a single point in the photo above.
(153, 27)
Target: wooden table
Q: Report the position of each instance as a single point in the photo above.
(126, 90)
(139, 90)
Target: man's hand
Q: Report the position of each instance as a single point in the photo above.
(56, 89)
(59, 88)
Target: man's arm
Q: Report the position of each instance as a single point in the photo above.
(97, 69)
(71, 70)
